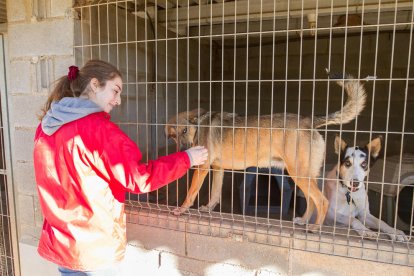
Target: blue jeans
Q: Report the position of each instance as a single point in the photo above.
(110, 271)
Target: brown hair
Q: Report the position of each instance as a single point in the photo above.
(101, 70)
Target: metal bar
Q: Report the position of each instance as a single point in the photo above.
(288, 8)
(255, 31)
(11, 190)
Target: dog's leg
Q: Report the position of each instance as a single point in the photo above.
(375, 223)
(312, 192)
(357, 225)
(196, 182)
(321, 202)
(215, 191)
(363, 231)
(310, 208)
(304, 185)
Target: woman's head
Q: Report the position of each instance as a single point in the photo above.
(88, 81)
(106, 96)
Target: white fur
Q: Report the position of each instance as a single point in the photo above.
(356, 214)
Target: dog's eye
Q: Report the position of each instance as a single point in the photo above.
(185, 131)
(364, 164)
(348, 163)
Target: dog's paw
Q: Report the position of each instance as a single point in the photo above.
(179, 210)
(368, 234)
(315, 228)
(299, 221)
(398, 236)
(204, 209)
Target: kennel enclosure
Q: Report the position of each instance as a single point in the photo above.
(255, 58)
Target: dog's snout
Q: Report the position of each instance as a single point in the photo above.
(355, 183)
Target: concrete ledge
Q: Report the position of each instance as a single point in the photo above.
(209, 256)
(206, 255)
(257, 244)
(162, 244)
(138, 261)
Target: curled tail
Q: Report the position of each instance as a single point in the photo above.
(354, 105)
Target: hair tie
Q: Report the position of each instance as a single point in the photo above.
(73, 72)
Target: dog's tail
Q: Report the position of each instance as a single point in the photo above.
(352, 108)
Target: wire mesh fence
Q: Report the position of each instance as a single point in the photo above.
(7, 237)
(6, 253)
(338, 179)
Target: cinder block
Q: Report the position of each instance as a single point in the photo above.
(50, 8)
(38, 73)
(24, 178)
(199, 267)
(42, 73)
(226, 269)
(54, 37)
(16, 10)
(21, 76)
(22, 145)
(31, 239)
(264, 272)
(138, 257)
(25, 110)
(156, 238)
(60, 7)
(38, 215)
(168, 260)
(26, 210)
(61, 65)
(249, 255)
(305, 262)
(30, 234)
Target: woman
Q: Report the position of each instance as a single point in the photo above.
(84, 164)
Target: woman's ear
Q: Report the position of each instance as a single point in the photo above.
(94, 84)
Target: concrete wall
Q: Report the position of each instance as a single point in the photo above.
(40, 48)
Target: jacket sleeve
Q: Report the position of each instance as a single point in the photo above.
(122, 160)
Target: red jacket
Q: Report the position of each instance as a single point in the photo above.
(82, 172)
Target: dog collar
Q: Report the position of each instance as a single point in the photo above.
(348, 198)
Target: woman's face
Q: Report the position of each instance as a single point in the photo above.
(107, 96)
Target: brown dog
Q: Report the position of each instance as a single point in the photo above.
(280, 140)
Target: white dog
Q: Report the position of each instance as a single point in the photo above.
(347, 195)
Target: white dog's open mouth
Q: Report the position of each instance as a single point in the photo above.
(354, 186)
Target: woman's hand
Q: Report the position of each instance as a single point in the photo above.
(198, 155)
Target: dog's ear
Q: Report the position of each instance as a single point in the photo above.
(195, 114)
(340, 145)
(374, 147)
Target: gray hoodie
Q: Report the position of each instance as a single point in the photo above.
(70, 109)
(67, 110)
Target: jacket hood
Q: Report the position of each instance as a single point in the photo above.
(65, 111)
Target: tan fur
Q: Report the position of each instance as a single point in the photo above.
(280, 140)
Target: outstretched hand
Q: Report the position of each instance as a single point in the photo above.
(198, 155)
